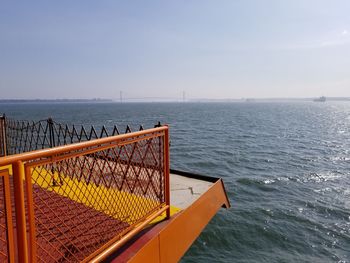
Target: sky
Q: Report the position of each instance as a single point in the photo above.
(160, 49)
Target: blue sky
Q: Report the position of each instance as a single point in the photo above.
(209, 49)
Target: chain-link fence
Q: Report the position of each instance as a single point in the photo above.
(73, 202)
(24, 136)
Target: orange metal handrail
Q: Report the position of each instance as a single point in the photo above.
(24, 165)
(44, 153)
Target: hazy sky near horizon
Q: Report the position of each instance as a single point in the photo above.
(209, 49)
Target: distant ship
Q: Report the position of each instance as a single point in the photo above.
(320, 99)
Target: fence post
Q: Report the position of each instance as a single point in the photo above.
(161, 155)
(51, 132)
(52, 144)
(18, 180)
(167, 170)
(3, 138)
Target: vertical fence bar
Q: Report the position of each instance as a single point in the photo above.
(51, 132)
(167, 170)
(31, 217)
(51, 145)
(18, 179)
(9, 224)
(3, 135)
(160, 154)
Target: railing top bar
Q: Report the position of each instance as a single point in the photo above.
(75, 146)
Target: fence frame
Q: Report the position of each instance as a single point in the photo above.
(21, 164)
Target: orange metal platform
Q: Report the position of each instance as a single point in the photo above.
(169, 240)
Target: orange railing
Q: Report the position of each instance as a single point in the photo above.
(82, 201)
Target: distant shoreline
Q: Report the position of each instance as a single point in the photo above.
(54, 100)
(200, 100)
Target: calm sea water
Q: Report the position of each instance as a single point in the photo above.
(286, 168)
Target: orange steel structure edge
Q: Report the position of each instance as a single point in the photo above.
(112, 248)
(18, 175)
(164, 243)
(31, 219)
(167, 171)
(53, 154)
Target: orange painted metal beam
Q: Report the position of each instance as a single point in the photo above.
(167, 171)
(177, 238)
(18, 176)
(108, 249)
(31, 218)
(168, 241)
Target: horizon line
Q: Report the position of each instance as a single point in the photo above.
(163, 99)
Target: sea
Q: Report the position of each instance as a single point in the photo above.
(286, 168)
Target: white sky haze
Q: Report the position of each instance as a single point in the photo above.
(210, 49)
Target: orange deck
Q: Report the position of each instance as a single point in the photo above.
(169, 240)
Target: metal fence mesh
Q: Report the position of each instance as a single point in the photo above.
(81, 203)
(24, 136)
(6, 220)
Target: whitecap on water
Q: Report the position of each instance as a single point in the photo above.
(280, 179)
(270, 181)
(283, 179)
(321, 177)
(339, 158)
(327, 189)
